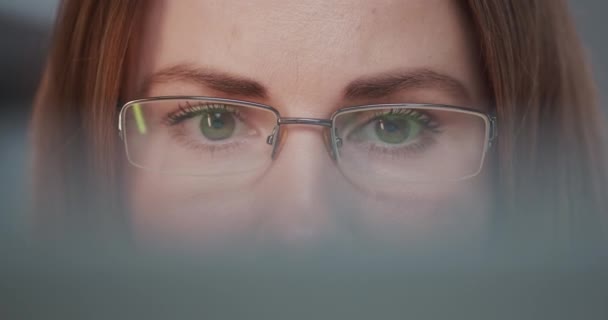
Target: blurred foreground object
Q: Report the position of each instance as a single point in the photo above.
(325, 284)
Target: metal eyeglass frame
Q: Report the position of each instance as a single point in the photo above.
(335, 141)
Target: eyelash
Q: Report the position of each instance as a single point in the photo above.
(422, 117)
(188, 111)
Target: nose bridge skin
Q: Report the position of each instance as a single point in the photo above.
(295, 194)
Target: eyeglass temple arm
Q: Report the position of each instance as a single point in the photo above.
(493, 130)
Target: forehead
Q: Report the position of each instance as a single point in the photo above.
(286, 44)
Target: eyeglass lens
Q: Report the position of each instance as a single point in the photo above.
(374, 145)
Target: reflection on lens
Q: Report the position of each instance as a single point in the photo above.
(424, 144)
(197, 137)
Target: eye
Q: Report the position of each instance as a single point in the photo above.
(395, 130)
(210, 122)
(393, 127)
(217, 125)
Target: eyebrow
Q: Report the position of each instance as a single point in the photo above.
(368, 87)
(385, 84)
(219, 81)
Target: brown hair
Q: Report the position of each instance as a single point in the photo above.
(551, 166)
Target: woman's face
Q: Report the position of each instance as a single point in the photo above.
(308, 59)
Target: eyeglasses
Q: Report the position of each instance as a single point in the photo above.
(399, 143)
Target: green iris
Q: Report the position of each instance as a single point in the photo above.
(217, 125)
(396, 129)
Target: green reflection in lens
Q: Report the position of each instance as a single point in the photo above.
(218, 125)
(139, 119)
(396, 129)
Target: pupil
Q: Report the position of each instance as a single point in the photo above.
(217, 122)
(390, 126)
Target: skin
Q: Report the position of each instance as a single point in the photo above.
(305, 54)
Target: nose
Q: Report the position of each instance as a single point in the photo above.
(298, 196)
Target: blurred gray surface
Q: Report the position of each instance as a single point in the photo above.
(116, 284)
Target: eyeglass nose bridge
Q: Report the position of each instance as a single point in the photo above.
(308, 121)
(274, 138)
